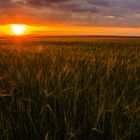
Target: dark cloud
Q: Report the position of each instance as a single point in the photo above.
(99, 2)
(5, 4)
(41, 3)
(62, 5)
(72, 7)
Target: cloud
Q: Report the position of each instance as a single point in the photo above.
(41, 3)
(99, 2)
(5, 3)
(92, 12)
(63, 5)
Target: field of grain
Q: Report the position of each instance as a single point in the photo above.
(70, 88)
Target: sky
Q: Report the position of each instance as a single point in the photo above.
(97, 17)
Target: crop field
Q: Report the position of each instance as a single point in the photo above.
(70, 88)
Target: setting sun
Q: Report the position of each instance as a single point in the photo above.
(18, 29)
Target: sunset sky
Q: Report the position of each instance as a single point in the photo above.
(72, 17)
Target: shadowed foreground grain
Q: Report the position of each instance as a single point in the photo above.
(70, 90)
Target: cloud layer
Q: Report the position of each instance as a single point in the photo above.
(110, 13)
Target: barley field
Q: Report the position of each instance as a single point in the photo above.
(70, 88)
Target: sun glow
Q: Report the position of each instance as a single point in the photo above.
(25, 29)
(18, 29)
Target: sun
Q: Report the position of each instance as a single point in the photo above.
(18, 29)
